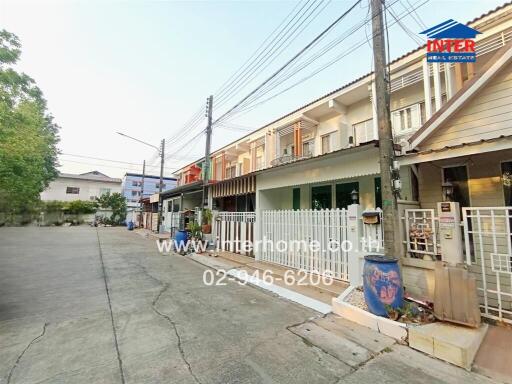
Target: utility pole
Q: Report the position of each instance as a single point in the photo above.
(162, 159)
(206, 166)
(162, 155)
(142, 191)
(388, 169)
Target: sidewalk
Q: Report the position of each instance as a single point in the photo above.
(305, 289)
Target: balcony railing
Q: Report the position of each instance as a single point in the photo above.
(288, 159)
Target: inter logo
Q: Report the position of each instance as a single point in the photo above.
(451, 42)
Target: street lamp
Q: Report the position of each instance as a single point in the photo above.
(161, 150)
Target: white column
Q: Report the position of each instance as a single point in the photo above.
(437, 85)
(448, 80)
(278, 150)
(354, 235)
(374, 111)
(427, 89)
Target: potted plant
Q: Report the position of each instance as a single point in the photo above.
(195, 235)
(207, 221)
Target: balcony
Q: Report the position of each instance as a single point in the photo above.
(285, 159)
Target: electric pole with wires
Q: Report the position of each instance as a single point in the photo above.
(206, 165)
(388, 167)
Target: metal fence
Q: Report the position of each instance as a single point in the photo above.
(487, 238)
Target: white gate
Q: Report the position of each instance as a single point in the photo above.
(489, 256)
(311, 240)
(421, 233)
(235, 231)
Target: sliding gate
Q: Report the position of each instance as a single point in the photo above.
(310, 240)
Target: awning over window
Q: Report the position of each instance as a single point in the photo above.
(239, 186)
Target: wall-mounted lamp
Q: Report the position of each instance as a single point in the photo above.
(355, 196)
(447, 188)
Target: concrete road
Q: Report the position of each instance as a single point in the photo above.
(80, 305)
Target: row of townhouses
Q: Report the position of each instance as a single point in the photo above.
(309, 173)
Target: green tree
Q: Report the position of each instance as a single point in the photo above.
(115, 202)
(79, 207)
(28, 135)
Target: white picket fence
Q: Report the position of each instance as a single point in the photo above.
(288, 234)
(234, 231)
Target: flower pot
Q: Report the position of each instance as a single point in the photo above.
(206, 228)
(382, 284)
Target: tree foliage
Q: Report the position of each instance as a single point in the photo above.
(28, 134)
(115, 202)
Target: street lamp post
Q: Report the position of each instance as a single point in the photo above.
(161, 151)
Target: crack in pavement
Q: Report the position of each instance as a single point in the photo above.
(114, 331)
(34, 340)
(173, 323)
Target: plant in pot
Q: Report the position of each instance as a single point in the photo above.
(207, 221)
(195, 235)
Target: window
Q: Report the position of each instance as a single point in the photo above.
(104, 191)
(344, 194)
(231, 172)
(458, 176)
(218, 168)
(378, 192)
(136, 183)
(260, 154)
(135, 193)
(406, 119)
(72, 190)
(296, 198)
(308, 148)
(363, 132)
(326, 143)
(321, 197)
(506, 178)
(157, 185)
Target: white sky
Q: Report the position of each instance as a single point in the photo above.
(145, 67)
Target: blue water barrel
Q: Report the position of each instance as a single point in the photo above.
(130, 225)
(181, 238)
(382, 284)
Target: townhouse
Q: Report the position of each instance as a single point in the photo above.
(309, 173)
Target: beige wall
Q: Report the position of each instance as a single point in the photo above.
(487, 115)
(484, 172)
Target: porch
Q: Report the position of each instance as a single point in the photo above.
(478, 178)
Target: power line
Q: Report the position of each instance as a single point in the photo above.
(309, 45)
(128, 167)
(354, 47)
(276, 51)
(109, 160)
(300, 66)
(230, 80)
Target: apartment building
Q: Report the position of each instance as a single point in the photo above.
(132, 186)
